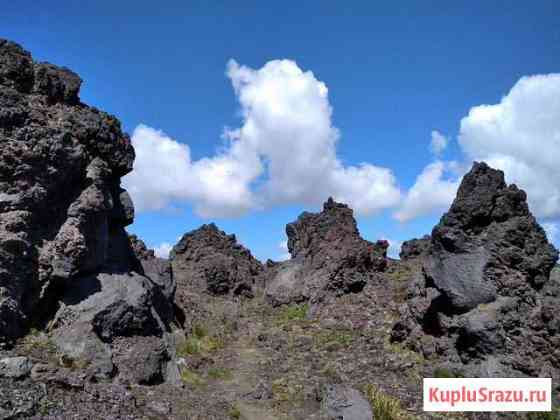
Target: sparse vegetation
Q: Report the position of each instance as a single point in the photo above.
(191, 378)
(550, 415)
(325, 339)
(385, 407)
(285, 391)
(220, 373)
(200, 342)
(39, 344)
(442, 372)
(292, 313)
(234, 413)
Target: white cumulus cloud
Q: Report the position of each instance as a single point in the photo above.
(283, 153)
(438, 143)
(163, 250)
(552, 230)
(521, 136)
(434, 190)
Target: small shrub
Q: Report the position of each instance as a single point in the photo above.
(191, 378)
(234, 413)
(39, 344)
(189, 347)
(384, 406)
(194, 344)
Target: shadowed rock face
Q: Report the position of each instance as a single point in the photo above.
(484, 296)
(65, 258)
(207, 259)
(328, 254)
(60, 197)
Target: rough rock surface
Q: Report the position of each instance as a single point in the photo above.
(415, 248)
(328, 254)
(66, 263)
(15, 367)
(207, 259)
(60, 197)
(484, 302)
(342, 402)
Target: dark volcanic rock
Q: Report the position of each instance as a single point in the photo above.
(328, 254)
(484, 299)
(342, 402)
(207, 259)
(66, 262)
(157, 269)
(415, 247)
(60, 165)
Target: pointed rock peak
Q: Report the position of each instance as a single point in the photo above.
(484, 197)
(330, 204)
(312, 231)
(208, 235)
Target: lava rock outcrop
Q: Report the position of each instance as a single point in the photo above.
(66, 263)
(484, 300)
(328, 255)
(207, 259)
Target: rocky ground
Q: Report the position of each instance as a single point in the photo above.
(94, 326)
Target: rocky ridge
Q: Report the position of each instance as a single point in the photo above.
(484, 301)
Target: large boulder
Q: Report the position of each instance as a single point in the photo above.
(66, 262)
(328, 254)
(209, 260)
(484, 294)
(60, 200)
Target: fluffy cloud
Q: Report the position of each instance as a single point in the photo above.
(284, 152)
(521, 136)
(552, 231)
(438, 143)
(163, 172)
(163, 250)
(434, 190)
(285, 254)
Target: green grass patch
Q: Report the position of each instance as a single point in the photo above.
(442, 372)
(199, 343)
(191, 378)
(332, 339)
(292, 313)
(384, 406)
(234, 413)
(220, 373)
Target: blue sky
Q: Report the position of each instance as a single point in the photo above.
(394, 72)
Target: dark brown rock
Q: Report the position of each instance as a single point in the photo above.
(207, 259)
(60, 169)
(328, 254)
(482, 295)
